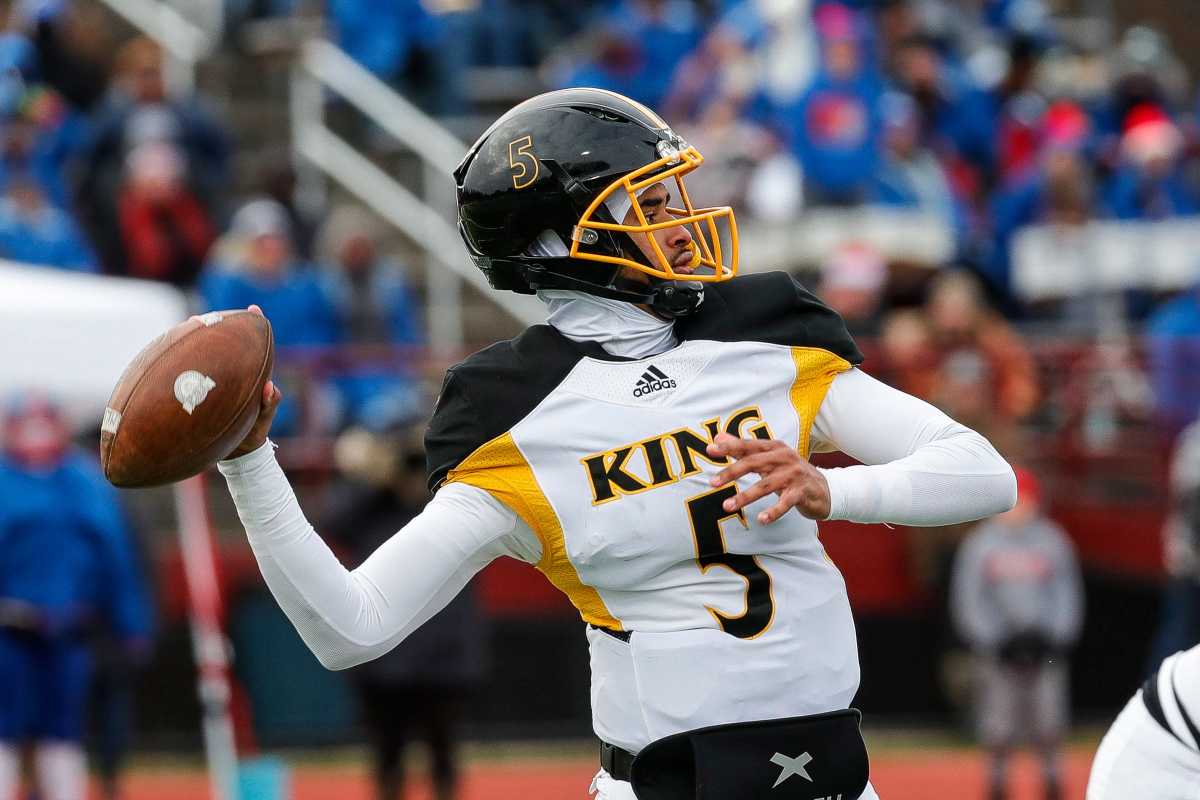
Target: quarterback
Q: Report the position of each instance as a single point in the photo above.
(647, 450)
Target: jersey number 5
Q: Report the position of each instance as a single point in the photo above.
(706, 514)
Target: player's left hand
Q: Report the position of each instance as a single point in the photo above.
(781, 471)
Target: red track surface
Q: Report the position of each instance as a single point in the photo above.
(916, 775)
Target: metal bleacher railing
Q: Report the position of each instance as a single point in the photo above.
(187, 31)
(424, 218)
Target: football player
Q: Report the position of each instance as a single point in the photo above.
(1153, 747)
(647, 451)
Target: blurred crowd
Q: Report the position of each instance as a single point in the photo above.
(1013, 135)
(104, 169)
(1010, 134)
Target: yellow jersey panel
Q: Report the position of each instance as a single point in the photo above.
(499, 469)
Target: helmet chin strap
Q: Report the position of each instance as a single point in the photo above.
(670, 299)
(675, 299)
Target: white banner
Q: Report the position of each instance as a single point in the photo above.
(71, 335)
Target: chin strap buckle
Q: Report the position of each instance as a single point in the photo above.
(677, 298)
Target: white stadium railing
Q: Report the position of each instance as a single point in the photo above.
(185, 38)
(425, 219)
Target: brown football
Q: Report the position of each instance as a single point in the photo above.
(187, 400)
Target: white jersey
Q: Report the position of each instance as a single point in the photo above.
(594, 468)
(605, 459)
(613, 476)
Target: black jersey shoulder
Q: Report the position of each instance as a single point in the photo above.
(491, 391)
(769, 307)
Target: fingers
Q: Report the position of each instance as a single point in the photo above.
(760, 463)
(254, 309)
(787, 501)
(271, 395)
(768, 485)
(727, 445)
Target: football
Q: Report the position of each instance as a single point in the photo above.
(187, 400)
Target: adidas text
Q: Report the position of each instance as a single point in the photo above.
(652, 380)
(653, 386)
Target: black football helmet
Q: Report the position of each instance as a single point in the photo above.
(550, 163)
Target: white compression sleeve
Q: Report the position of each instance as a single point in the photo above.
(348, 617)
(923, 468)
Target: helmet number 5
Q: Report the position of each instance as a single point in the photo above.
(706, 514)
(524, 163)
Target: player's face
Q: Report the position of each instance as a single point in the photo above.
(675, 241)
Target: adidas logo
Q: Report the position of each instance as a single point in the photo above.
(652, 380)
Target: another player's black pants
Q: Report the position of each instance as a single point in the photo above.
(393, 715)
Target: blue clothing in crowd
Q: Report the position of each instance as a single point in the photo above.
(1018, 205)
(43, 688)
(65, 555)
(921, 184)
(381, 310)
(659, 41)
(299, 304)
(1130, 194)
(46, 156)
(835, 130)
(1173, 340)
(391, 299)
(65, 548)
(48, 236)
(965, 117)
(381, 34)
(301, 307)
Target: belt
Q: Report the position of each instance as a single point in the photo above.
(622, 635)
(1153, 702)
(616, 761)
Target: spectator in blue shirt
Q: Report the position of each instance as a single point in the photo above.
(1149, 183)
(912, 176)
(1173, 347)
(38, 140)
(835, 126)
(66, 565)
(424, 47)
(381, 34)
(958, 115)
(295, 296)
(1059, 190)
(762, 54)
(640, 45)
(35, 232)
(378, 308)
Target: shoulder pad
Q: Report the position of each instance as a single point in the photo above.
(769, 307)
(492, 390)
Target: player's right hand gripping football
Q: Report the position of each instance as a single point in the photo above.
(271, 398)
(782, 471)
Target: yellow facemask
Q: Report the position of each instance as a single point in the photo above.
(706, 246)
